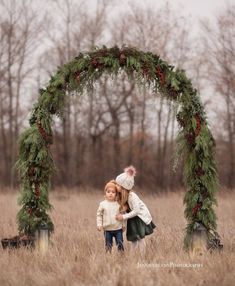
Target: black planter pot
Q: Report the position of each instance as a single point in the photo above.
(5, 243)
(30, 242)
(17, 242)
(10, 243)
(14, 243)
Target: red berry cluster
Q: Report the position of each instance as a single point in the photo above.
(199, 172)
(31, 172)
(160, 75)
(37, 190)
(190, 137)
(95, 63)
(173, 93)
(45, 136)
(198, 127)
(145, 71)
(196, 208)
(122, 59)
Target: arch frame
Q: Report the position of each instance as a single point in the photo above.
(195, 141)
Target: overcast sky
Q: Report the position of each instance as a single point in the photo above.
(198, 8)
(193, 8)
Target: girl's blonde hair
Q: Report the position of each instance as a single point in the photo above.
(122, 199)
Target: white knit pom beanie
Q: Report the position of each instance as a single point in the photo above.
(126, 179)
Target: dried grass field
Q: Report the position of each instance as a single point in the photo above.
(77, 256)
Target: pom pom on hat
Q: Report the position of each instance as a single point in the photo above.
(130, 170)
(126, 179)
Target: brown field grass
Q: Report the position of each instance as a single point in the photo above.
(77, 255)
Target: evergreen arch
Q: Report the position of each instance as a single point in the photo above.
(195, 141)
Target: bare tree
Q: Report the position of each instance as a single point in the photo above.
(220, 46)
(160, 31)
(79, 30)
(120, 118)
(19, 33)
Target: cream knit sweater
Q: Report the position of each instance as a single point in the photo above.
(138, 208)
(106, 213)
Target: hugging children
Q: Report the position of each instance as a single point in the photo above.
(126, 207)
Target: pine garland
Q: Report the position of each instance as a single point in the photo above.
(195, 141)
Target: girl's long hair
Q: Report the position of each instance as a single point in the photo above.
(122, 200)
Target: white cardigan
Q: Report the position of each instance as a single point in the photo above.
(138, 208)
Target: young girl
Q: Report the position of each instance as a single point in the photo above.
(139, 219)
(106, 218)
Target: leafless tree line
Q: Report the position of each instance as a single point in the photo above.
(117, 123)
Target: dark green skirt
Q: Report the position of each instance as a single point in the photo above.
(137, 229)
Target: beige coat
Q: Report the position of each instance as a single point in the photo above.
(138, 208)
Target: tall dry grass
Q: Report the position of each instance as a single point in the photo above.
(77, 256)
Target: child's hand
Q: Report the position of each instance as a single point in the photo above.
(119, 217)
(123, 228)
(99, 228)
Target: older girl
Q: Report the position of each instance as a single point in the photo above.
(139, 219)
